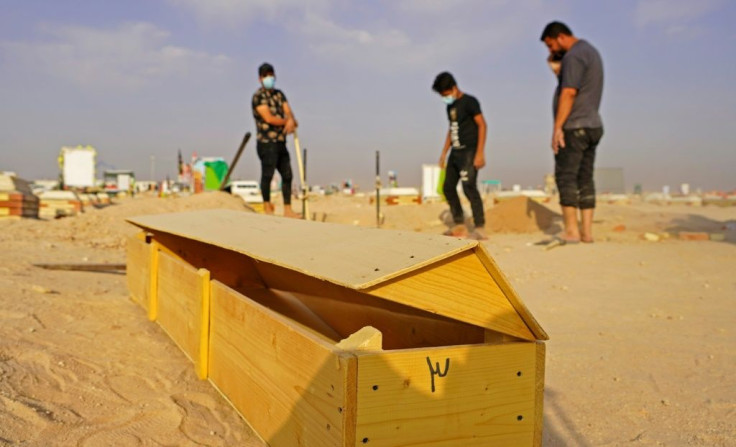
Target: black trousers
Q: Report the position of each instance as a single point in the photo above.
(274, 156)
(460, 168)
(574, 167)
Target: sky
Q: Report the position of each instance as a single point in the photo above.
(141, 79)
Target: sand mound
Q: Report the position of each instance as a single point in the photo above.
(519, 215)
(106, 227)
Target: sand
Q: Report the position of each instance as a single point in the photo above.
(520, 215)
(642, 347)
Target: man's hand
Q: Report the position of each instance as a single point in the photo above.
(555, 63)
(558, 140)
(290, 125)
(479, 161)
(443, 161)
(564, 108)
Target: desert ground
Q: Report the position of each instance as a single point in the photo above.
(642, 347)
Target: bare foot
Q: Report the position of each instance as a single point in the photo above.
(478, 234)
(288, 212)
(268, 208)
(458, 230)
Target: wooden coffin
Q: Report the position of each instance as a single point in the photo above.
(329, 335)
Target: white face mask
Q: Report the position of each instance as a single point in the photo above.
(269, 82)
(449, 99)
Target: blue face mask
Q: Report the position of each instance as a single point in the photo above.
(449, 99)
(268, 82)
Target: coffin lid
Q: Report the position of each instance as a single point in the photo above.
(378, 262)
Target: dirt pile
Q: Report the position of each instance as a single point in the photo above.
(519, 215)
(106, 227)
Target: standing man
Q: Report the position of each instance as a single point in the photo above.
(274, 120)
(467, 138)
(578, 126)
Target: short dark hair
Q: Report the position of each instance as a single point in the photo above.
(443, 82)
(265, 69)
(554, 29)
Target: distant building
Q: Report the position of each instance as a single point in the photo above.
(119, 180)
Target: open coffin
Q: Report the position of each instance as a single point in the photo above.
(324, 334)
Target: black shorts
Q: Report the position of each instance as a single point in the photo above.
(574, 167)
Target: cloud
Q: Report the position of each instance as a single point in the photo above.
(130, 56)
(674, 16)
(421, 35)
(235, 12)
(387, 35)
(442, 6)
(357, 45)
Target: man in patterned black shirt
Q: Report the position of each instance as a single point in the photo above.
(274, 120)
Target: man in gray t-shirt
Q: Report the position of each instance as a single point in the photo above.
(578, 127)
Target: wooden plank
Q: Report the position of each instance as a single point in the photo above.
(459, 288)
(204, 340)
(138, 270)
(288, 305)
(291, 386)
(346, 311)
(302, 246)
(461, 396)
(402, 327)
(179, 304)
(350, 409)
(366, 339)
(492, 268)
(153, 281)
(18, 212)
(539, 401)
(15, 205)
(226, 266)
(497, 338)
(83, 266)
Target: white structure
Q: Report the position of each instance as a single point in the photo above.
(248, 190)
(430, 181)
(395, 192)
(78, 166)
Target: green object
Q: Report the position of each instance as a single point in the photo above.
(214, 173)
(441, 184)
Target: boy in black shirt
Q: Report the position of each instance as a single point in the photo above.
(467, 138)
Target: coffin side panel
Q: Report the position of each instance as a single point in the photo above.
(457, 396)
(180, 304)
(289, 384)
(138, 265)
